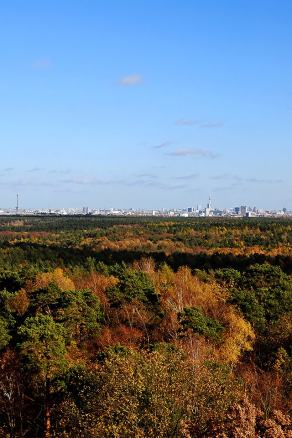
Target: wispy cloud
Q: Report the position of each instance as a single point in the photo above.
(8, 169)
(34, 169)
(59, 171)
(28, 183)
(199, 123)
(263, 180)
(187, 177)
(222, 176)
(240, 179)
(85, 181)
(154, 184)
(130, 80)
(193, 152)
(162, 145)
(141, 180)
(42, 64)
(187, 122)
(146, 175)
(90, 181)
(69, 190)
(211, 125)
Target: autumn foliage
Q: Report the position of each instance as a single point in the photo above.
(145, 329)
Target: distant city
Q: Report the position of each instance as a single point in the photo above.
(197, 211)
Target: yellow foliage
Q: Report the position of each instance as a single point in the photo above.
(56, 277)
(182, 289)
(238, 337)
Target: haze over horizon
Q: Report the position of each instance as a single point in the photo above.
(146, 104)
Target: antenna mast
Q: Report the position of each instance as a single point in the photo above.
(17, 204)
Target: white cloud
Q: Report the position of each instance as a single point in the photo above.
(187, 177)
(199, 123)
(187, 152)
(187, 122)
(240, 179)
(211, 125)
(130, 80)
(34, 169)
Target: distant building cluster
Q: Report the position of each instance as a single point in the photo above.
(198, 211)
(240, 211)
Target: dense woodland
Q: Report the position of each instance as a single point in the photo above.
(145, 327)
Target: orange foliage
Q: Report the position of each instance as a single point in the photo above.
(124, 335)
(19, 302)
(145, 265)
(97, 283)
(134, 314)
(264, 388)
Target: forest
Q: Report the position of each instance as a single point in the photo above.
(145, 327)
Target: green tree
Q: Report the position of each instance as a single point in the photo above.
(4, 333)
(133, 284)
(43, 348)
(194, 318)
(80, 312)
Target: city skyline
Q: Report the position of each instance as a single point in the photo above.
(146, 105)
(207, 210)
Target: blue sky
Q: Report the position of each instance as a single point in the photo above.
(146, 103)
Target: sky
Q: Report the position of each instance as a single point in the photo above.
(145, 104)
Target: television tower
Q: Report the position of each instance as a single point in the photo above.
(17, 204)
(209, 203)
(208, 209)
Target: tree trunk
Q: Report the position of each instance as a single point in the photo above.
(47, 416)
(47, 422)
